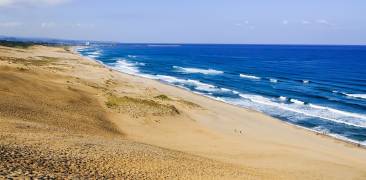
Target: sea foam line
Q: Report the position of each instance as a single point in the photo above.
(272, 80)
(311, 110)
(249, 76)
(198, 70)
(360, 96)
(132, 68)
(127, 67)
(197, 85)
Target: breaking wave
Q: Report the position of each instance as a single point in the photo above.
(249, 76)
(195, 84)
(305, 109)
(273, 80)
(127, 67)
(360, 96)
(197, 70)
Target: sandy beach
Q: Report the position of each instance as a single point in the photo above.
(66, 116)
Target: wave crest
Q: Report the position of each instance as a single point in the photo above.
(197, 85)
(304, 109)
(126, 66)
(199, 71)
(360, 96)
(273, 80)
(249, 76)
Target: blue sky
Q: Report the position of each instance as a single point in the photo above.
(189, 21)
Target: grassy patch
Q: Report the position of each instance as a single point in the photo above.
(22, 69)
(163, 97)
(190, 104)
(29, 61)
(112, 102)
(110, 82)
(140, 107)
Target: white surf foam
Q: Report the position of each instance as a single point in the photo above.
(94, 54)
(350, 114)
(79, 48)
(283, 98)
(195, 84)
(131, 56)
(337, 136)
(297, 101)
(126, 67)
(273, 80)
(249, 76)
(132, 68)
(97, 53)
(325, 131)
(190, 82)
(226, 90)
(305, 81)
(321, 130)
(235, 92)
(301, 109)
(360, 96)
(197, 70)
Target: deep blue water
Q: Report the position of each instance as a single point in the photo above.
(322, 88)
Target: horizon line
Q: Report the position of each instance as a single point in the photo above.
(2, 37)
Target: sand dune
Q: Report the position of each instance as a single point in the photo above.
(63, 116)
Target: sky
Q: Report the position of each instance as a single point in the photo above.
(189, 21)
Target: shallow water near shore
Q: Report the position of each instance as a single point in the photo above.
(322, 88)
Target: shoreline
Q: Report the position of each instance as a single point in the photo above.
(345, 140)
(111, 124)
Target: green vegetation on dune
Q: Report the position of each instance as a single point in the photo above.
(163, 97)
(30, 61)
(140, 107)
(17, 44)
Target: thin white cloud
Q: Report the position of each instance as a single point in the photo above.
(285, 22)
(10, 24)
(323, 21)
(48, 24)
(16, 3)
(245, 23)
(82, 25)
(305, 22)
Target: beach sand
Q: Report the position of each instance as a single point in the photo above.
(65, 116)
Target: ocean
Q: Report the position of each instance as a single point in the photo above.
(320, 88)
